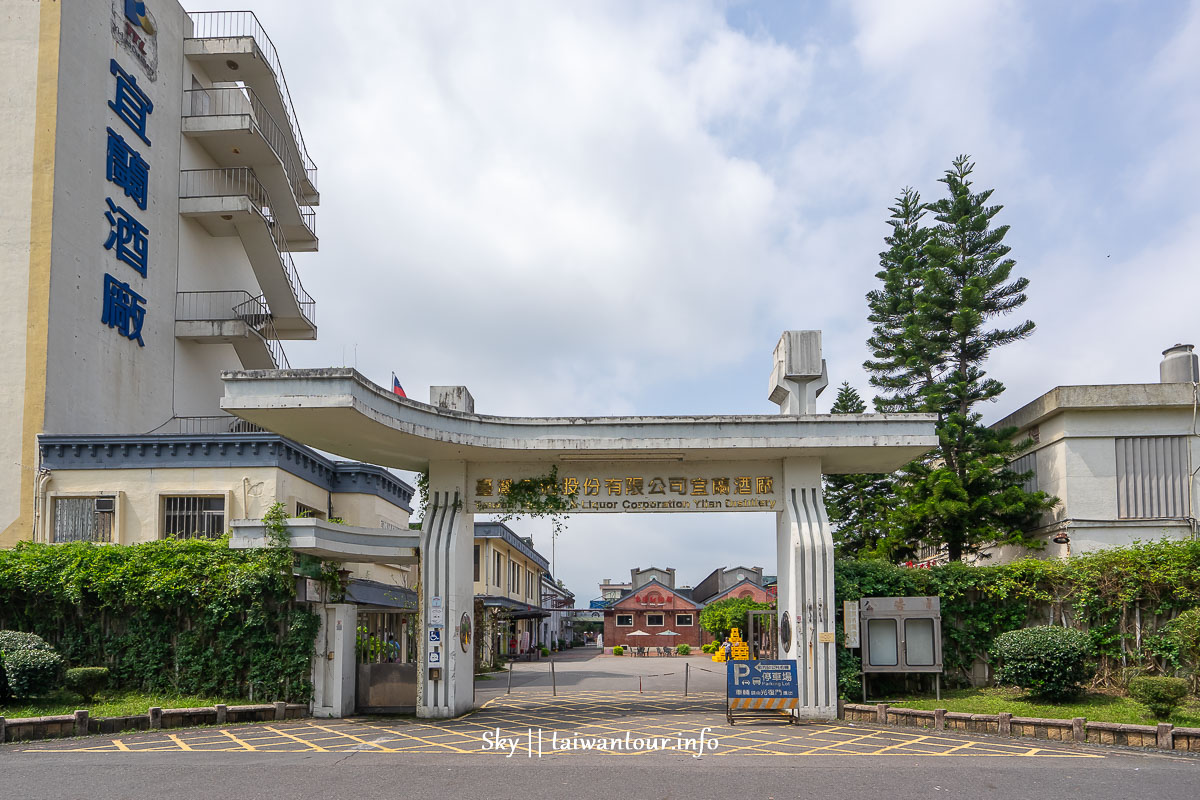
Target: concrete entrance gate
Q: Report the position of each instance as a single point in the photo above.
(735, 464)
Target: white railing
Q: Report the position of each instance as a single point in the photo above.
(242, 101)
(222, 423)
(227, 182)
(242, 182)
(238, 24)
(234, 304)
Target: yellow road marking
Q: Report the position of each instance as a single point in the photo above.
(182, 744)
(312, 745)
(245, 745)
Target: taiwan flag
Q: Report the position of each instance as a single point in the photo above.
(397, 388)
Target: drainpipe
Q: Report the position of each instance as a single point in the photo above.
(39, 502)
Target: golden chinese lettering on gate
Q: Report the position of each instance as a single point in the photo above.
(744, 486)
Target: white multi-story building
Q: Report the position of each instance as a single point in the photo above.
(1122, 459)
(156, 189)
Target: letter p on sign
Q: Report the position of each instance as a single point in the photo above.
(740, 671)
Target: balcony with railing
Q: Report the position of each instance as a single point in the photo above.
(237, 130)
(235, 318)
(233, 202)
(207, 425)
(233, 47)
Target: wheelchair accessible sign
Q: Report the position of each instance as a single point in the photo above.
(762, 686)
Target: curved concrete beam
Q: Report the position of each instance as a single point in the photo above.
(339, 411)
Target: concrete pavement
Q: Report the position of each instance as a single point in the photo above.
(507, 748)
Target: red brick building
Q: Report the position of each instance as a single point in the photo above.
(652, 609)
(744, 589)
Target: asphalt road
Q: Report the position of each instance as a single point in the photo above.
(405, 758)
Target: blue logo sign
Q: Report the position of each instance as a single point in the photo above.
(762, 680)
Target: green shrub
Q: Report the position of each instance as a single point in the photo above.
(545, 652)
(1160, 695)
(618, 651)
(172, 616)
(683, 649)
(86, 681)
(11, 642)
(1047, 662)
(30, 672)
(711, 647)
(1179, 644)
(20, 640)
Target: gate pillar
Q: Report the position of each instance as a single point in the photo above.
(447, 595)
(806, 600)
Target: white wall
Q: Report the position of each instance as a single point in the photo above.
(18, 84)
(97, 380)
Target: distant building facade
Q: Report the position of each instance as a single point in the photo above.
(1121, 458)
(653, 615)
(508, 586)
(721, 580)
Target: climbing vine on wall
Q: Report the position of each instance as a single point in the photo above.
(538, 497)
(181, 616)
(1121, 597)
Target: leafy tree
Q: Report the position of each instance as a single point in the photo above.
(943, 289)
(720, 617)
(857, 504)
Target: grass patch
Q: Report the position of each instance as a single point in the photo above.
(1095, 706)
(109, 704)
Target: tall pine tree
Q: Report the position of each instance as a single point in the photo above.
(857, 504)
(943, 288)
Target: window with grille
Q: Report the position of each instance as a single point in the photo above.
(497, 568)
(191, 517)
(84, 519)
(1152, 477)
(1027, 463)
(683, 620)
(654, 620)
(625, 620)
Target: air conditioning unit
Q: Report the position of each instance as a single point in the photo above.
(106, 504)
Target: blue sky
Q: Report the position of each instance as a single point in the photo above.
(614, 208)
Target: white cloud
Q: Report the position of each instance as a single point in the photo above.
(616, 208)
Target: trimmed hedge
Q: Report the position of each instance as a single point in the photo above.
(29, 666)
(1161, 695)
(32, 673)
(187, 617)
(1046, 661)
(86, 681)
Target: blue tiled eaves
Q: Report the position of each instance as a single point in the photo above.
(193, 451)
(498, 530)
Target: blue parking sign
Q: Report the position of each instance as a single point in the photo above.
(773, 681)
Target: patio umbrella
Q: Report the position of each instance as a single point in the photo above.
(638, 633)
(667, 633)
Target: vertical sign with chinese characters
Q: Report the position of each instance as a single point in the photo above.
(850, 623)
(123, 308)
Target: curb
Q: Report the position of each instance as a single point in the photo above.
(1163, 736)
(81, 723)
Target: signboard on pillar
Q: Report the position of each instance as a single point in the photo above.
(648, 487)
